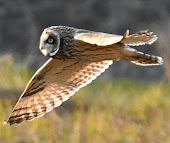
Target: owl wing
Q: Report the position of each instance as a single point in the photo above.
(104, 39)
(140, 38)
(53, 84)
(98, 38)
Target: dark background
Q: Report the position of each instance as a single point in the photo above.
(22, 21)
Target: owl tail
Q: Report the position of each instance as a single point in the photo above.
(140, 58)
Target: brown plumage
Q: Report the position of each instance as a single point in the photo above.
(76, 58)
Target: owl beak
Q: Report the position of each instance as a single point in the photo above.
(44, 51)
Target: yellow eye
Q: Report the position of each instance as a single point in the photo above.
(50, 40)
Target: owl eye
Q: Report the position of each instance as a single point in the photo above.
(50, 40)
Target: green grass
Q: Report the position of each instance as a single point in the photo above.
(106, 111)
(13, 76)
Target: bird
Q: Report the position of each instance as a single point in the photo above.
(76, 58)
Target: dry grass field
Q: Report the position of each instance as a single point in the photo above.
(106, 111)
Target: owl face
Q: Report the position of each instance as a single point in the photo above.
(49, 42)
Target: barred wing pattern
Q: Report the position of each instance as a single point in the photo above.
(53, 84)
(140, 38)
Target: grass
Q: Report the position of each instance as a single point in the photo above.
(13, 76)
(106, 111)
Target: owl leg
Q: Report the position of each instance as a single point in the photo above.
(140, 58)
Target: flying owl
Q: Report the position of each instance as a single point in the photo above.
(77, 57)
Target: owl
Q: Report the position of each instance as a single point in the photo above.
(76, 57)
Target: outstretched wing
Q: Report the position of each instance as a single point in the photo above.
(98, 38)
(53, 84)
(104, 39)
(140, 38)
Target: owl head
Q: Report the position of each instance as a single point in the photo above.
(49, 42)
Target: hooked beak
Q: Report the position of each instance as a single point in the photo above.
(44, 51)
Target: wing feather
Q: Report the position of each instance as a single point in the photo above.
(140, 38)
(98, 38)
(104, 39)
(53, 84)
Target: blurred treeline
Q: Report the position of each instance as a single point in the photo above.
(22, 21)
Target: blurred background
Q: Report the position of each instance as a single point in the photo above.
(127, 103)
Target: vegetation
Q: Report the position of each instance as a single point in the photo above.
(13, 76)
(106, 111)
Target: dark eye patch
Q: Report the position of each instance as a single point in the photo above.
(51, 40)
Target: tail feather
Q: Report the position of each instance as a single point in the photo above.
(140, 58)
(140, 38)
